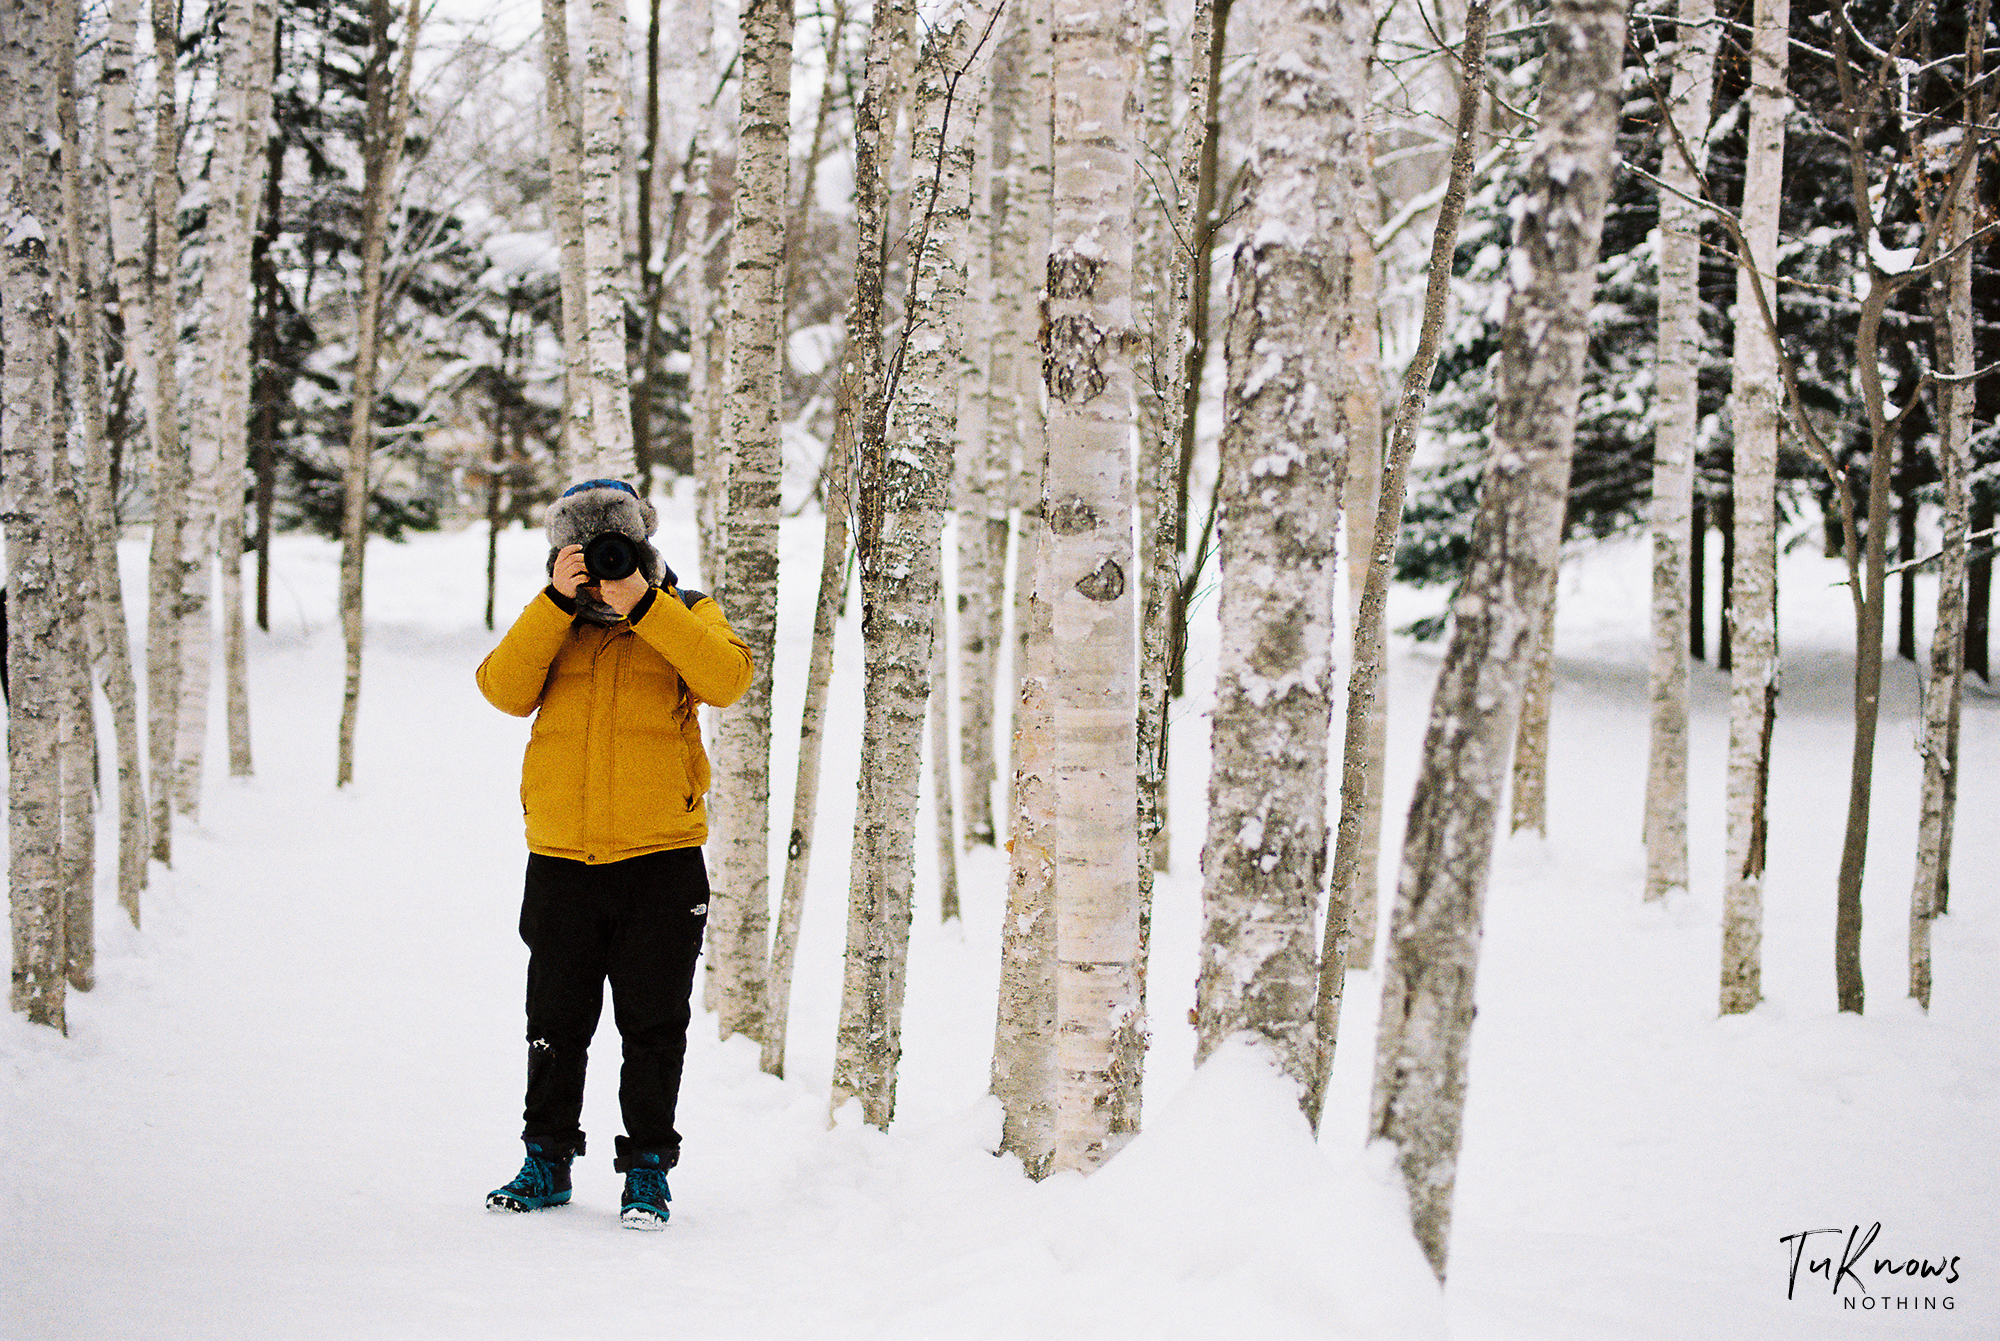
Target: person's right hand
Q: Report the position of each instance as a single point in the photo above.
(569, 572)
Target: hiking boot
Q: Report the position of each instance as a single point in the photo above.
(644, 1205)
(542, 1182)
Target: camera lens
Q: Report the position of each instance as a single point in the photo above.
(610, 556)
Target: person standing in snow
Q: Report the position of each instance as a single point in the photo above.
(613, 669)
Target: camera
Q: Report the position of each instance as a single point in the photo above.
(609, 556)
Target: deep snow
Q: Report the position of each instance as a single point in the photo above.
(278, 1113)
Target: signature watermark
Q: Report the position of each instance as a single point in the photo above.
(1900, 1282)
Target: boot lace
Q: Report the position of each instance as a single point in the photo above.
(536, 1178)
(646, 1185)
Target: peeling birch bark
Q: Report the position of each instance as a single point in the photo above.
(1753, 589)
(1428, 974)
(1285, 442)
(1676, 422)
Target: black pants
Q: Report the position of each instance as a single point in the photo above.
(638, 923)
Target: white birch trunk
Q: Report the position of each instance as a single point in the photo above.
(1165, 195)
(739, 915)
(981, 487)
(222, 330)
(566, 154)
(1031, 455)
(1675, 424)
(819, 672)
(1088, 369)
(610, 451)
(1006, 357)
(1285, 442)
(236, 374)
(170, 466)
(902, 514)
(1952, 312)
(1024, 1035)
(1531, 738)
(113, 650)
(30, 437)
(1361, 348)
(1753, 640)
(699, 298)
(1352, 890)
(943, 812)
(76, 737)
(1428, 976)
(382, 147)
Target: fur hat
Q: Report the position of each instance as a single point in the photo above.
(593, 508)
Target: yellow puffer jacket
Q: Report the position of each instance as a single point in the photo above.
(615, 767)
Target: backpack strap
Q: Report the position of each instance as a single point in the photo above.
(691, 598)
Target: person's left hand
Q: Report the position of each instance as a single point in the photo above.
(624, 593)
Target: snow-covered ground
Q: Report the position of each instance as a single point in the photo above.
(279, 1111)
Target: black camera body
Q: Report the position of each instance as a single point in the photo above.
(609, 556)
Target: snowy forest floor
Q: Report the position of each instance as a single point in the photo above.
(278, 1113)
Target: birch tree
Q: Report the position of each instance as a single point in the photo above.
(1351, 897)
(901, 497)
(1285, 441)
(943, 811)
(1087, 365)
(30, 438)
(110, 650)
(858, 417)
(611, 449)
(1162, 484)
(739, 918)
(163, 416)
(1531, 737)
(1428, 976)
(1752, 623)
(1024, 1034)
(566, 195)
(222, 329)
(1675, 423)
(982, 486)
(381, 146)
(234, 448)
(1951, 312)
(124, 163)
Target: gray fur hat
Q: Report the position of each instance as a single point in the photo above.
(596, 506)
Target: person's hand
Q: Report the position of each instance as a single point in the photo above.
(624, 593)
(569, 571)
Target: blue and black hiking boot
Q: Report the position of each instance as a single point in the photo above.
(644, 1205)
(542, 1182)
